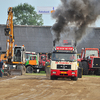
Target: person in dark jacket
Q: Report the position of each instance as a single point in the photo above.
(1, 68)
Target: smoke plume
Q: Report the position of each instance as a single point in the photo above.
(79, 13)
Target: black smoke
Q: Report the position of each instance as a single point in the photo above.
(79, 13)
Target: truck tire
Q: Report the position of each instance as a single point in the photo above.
(29, 69)
(74, 78)
(53, 78)
(85, 68)
(91, 72)
(80, 64)
(97, 72)
(80, 72)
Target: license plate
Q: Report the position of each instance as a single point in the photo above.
(63, 72)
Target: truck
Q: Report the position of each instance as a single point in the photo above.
(15, 55)
(28, 53)
(64, 63)
(44, 58)
(32, 64)
(90, 61)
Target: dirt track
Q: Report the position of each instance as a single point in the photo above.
(30, 87)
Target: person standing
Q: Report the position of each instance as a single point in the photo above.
(1, 68)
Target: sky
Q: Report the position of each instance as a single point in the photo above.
(47, 19)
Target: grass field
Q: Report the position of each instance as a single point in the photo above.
(90, 75)
(43, 73)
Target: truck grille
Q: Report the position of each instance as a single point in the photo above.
(63, 66)
(96, 62)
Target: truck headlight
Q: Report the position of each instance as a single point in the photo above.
(14, 66)
(5, 65)
(54, 72)
(73, 72)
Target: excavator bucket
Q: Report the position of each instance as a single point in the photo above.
(15, 72)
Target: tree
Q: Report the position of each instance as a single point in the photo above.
(24, 14)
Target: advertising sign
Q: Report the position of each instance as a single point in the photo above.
(46, 10)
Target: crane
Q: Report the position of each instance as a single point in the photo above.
(15, 55)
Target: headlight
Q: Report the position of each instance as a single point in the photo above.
(54, 72)
(5, 65)
(73, 72)
(14, 66)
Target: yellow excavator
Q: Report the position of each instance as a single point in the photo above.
(15, 55)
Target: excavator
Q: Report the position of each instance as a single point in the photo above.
(15, 55)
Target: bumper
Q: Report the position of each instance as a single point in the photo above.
(62, 73)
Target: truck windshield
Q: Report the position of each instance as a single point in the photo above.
(64, 57)
(43, 58)
(27, 55)
(91, 53)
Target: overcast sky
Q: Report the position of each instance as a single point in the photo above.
(47, 20)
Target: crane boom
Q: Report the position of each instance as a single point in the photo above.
(10, 35)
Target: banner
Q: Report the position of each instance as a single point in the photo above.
(46, 10)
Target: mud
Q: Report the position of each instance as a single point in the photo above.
(32, 87)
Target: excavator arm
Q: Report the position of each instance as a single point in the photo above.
(10, 35)
(15, 55)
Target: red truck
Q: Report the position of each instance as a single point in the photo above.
(90, 61)
(43, 60)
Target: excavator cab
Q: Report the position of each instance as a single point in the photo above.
(19, 54)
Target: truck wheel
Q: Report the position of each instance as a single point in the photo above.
(80, 65)
(85, 68)
(97, 72)
(29, 69)
(80, 72)
(53, 78)
(91, 72)
(74, 78)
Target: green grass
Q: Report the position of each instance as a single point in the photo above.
(44, 74)
(41, 73)
(90, 76)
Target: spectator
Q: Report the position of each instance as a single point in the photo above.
(1, 68)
